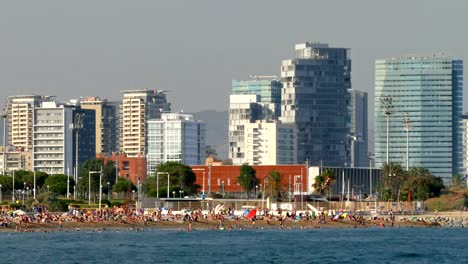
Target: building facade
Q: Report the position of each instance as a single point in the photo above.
(269, 92)
(130, 168)
(107, 123)
(421, 95)
(270, 143)
(53, 138)
(359, 129)
(243, 109)
(175, 137)
(19, 113)
(139, 106)
(315, 98)
(16, 159)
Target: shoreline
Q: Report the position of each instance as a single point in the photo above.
(206, 225)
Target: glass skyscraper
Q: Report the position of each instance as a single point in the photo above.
(428, 92)
(315, 98)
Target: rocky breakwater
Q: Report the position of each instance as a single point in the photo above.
(448, 221)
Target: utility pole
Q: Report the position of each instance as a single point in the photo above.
(407, 123)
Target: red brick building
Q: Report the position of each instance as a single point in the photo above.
(129, 167)
(224, 178)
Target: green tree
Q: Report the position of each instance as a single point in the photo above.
(391, 181)
(58, 183)
(273, 187)
(181, 178)
(324, 181)
(124, 186)
(108, 175)
(456, 181)
(247, 178)
(422, 184)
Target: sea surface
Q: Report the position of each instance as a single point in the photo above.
(372, 245)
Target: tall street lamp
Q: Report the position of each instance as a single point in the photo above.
(4, 115)
(386, 105)
(108, 191)
(89, 186)
(1, 193)
(407, 124)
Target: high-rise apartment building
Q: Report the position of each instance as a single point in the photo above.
(175, 137)
(107, 123)
(243, 109)
(53, 138)
(54, 143)
(19, 114)
(139, 106)
(421, 95)
(358, 133)
(269, 143)
(315, 98)
(269, 91)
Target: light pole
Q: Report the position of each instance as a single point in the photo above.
(89, 186)
(1, 193)
(386, 104)
(100, 188)
(13, 189)
(34, 191)
(173, 194)
(180, 194)
(407, 124)
(108, 190)
(77, 125)
(47, 188)
(203, 185)
(4, 115)
(27, 193)
(68, 183)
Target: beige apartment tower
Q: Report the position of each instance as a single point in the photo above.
(19, 113)
(139, 106)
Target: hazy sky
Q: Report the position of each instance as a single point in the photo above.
(195, 48)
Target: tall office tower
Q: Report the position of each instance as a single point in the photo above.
(19, 113)
(107, 123)
(175, 137)
(421, 96)
(243, 109)
(269, 90)
(315, 98)
(359, 138)
(270, 143)
(139, 106)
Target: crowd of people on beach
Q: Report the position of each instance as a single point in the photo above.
(224, 219)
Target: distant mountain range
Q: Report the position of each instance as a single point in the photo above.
(217, 123)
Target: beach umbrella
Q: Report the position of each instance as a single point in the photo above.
(252, 214)
(246, 212)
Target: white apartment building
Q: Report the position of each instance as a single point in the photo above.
(53, 138)
(175, 137)
(243, 109)
(139, 106)
(269, 143)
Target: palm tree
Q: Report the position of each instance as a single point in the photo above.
(324, 181)
(273, 187)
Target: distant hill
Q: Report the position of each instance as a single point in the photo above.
(217, 123)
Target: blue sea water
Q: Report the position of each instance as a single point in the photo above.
(373, 245)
